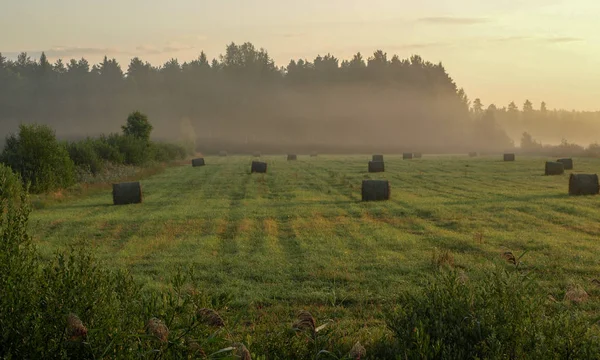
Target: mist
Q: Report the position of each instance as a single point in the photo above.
(243, 102)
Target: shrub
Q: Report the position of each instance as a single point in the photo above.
(132, 150)
(108, 150)
(84, 155)
(503, 315)
(10, 185)
(137, 126)
(39, 158)
(167, 152)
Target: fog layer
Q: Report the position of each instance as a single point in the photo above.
(243, 102)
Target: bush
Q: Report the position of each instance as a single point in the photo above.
(85, 156)
(108, 150)
(503, 315)
(39, 158)
(132, 150)
(167, 152)
(11, 185)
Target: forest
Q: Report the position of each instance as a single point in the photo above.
(242, 101)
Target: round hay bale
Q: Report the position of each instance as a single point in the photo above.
(258, 167)
(375, 190)
(377, 158)
(583, 184)
(198, 162)
(567, 163)
(554, 168)
(223, 153)
(509, 157)
(127, 193)
(417, 155)
(473, 154)
(256, 154)
(292, 157)
(376, 166)
(407, 156)
(314, 154)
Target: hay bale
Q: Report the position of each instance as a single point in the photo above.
(313, 154)
(407, 156)
(377, 158)
(509, 157)
(127, 193)
(292, 157)
(375, 190)
(583, 184)
(256, 154)
(417, 155)
(473, 154)
(567, 163)
(258, 167)
(223, 153)
(554, 168)
(198, 162)
(376, 166)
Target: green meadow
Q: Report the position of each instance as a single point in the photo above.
(299, 237)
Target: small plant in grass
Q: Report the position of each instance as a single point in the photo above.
(503, 314)
(442, 259)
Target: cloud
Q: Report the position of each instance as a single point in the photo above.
(169, 48)
(510, 38)
(450, 20)
(292, 35)
(417, 45)
(561, 40)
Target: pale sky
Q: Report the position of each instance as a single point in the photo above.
(499, 51)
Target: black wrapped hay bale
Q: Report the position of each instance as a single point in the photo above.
(509, 157)
(583, 184)
(198, 162)
(473, 154)
(417, 155)
(223, 153)
(127, 193)
(292, 157)
(376, 166)
(567, 163)
(375, 190)
(259, 167)
(554, 168)
(407, 156)
(377, 158)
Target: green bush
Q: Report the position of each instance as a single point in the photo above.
(504, 315)
(133, 151)
(84, 155)
(108, 150)
(11, 185)
(167, 152)
(39, 158)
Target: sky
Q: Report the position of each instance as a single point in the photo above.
(498, 51)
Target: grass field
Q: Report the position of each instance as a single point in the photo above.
(299, 237)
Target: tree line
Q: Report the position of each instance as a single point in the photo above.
(242, 98)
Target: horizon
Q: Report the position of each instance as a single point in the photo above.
(514, 51)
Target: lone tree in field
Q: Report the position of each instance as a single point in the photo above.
(138, 126)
